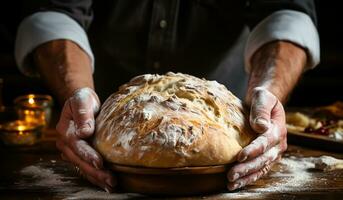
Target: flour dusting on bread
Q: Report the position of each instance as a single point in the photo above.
(171, 120)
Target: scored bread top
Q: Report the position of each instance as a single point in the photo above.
(171, 120)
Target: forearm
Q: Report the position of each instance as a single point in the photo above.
(64, 66)
(276, 66)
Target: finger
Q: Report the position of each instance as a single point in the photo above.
(85, 152)
(262, 143)
(101, 177)
(95, 182)
(67, 133)
(66, 121)
(248, 179)
(81, 147)
(278, 114)
(283, 144)
(254, 165)
(63, 157)
(262, 104)
(84, 105)
(82, 150)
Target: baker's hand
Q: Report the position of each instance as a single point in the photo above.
(267, 117)
(76, 124)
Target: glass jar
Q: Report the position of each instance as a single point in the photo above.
(34, 109)
(18, 132)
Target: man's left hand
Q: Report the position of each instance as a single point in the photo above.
(267, 117)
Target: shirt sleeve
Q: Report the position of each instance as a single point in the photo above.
(287, 25)
(42, 27)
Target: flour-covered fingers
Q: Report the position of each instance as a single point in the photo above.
(101, 178)
(262, 104)
(79, 147)
(107, 188)
(278, 114)
(85, 152)
(248, 179)
(262, 143)
(66, 133)
(84, 105)
(254, 165)
(65, 122)
(283, 144)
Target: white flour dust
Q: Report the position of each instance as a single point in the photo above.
(44, 177)
(293, 176)
(92, 194)
(63, 186)
(88, 96)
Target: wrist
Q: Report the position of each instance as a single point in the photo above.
(64, 66)
(276, 67)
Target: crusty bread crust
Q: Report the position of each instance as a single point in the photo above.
(172, 120)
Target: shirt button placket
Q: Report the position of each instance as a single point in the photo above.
(163, 24)
(158, 34)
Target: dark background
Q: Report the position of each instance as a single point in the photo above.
(320, 86)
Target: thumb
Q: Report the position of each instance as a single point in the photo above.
(262, 104)
(84, 105)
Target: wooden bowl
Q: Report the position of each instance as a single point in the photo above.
(171, 181)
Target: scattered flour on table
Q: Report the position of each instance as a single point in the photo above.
(62, 186)
(92, 194)
(44, 177)
(242, 195)
(294, 175)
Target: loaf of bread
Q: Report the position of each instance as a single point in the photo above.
(171, 120)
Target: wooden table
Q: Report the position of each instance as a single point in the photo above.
(39, 173)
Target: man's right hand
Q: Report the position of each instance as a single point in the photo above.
(76, 124)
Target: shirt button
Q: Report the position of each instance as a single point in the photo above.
(163, 24)
(156, 65)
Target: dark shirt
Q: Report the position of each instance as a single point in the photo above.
(204, 38)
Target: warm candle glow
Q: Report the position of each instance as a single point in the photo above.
(31, 100)
(34, 108)
(21, 127)
(20, 132)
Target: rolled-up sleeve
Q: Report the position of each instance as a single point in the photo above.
(42, 27)
(287, 25)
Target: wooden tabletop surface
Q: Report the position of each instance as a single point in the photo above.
(38, 173)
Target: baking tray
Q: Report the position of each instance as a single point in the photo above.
(171, 181)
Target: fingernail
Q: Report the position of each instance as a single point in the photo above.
(107, 190)
(80, 132)
(235, 177)
(234, 186)
(109, 182)
(85, 128)
(241, 159)
(63, 157)
(262, 121)
(95, 165)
